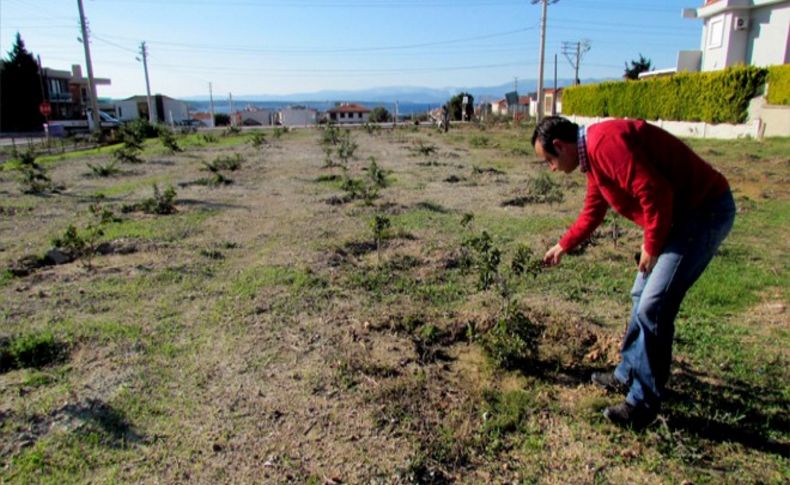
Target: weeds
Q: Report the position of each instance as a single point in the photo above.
(346, 149)
(83, 243)
(330, 135)
(258, 140)
(107, 170)
(34, 178)
(162, 203)
(168, 140)
(424, 149)
(279, 131)
(479, 141)
(380, 225)
(231, 131)
(376, 175)
(209, 138)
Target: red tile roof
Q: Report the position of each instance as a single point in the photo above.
(349, 108)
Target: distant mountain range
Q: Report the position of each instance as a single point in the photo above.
(411, 94)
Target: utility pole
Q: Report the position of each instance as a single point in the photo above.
(144, 56)
(230, 100)
(574, 51)
(89, 66)
(554, 96)
(542, 53)
(211, 104)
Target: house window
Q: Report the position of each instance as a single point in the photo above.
(716, 33)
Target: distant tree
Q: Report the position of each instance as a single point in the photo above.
(455, 105)
(641, 65)
(380, 115)
(221, 119)
(20, 90)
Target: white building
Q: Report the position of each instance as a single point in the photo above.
(257, 117)
(297, 116)
(166, 109)
(750, 32)
(348, 113)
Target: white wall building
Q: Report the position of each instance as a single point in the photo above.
(166, 109)
(749, 32)
(257, 117)
(297, 116)
(348, 113)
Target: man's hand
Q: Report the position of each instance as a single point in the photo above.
(647, 262)
(553, 255)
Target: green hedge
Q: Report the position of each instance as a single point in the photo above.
(779, 85)
(715, 97)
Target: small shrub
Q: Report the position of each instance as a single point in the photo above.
(524, 262)
(127, 154)
(486, 259)
(279, 131)
(512, 341)
(34, 178)
(231, 131)
(83, 244)
(258, 140)
(168, 139)
(162, 203)
(231, 163)
(347, 148)
(424, 149)
(209, 138)
(380, 225)
(330, 135)
(107, 170)
(377, 176)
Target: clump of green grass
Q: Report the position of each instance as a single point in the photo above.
(479, 141)
(36, 349)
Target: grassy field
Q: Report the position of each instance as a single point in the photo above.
(370, 311)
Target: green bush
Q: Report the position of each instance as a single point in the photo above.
(779, 85)
(714, 97)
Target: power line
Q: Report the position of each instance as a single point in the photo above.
(318, 50)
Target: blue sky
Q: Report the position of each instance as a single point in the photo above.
(288, 46)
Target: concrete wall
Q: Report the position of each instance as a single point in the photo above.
(688, 129)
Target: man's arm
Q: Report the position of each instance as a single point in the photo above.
(590, 217)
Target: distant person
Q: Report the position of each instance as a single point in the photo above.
(685, 208)
(445, 118)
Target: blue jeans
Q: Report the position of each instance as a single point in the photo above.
(647, 346)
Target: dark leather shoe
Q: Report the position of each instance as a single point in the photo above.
(608, 382)
(628, 416)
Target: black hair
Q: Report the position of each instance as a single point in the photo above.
(552, 128)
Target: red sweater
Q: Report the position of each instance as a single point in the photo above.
(646, 175)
